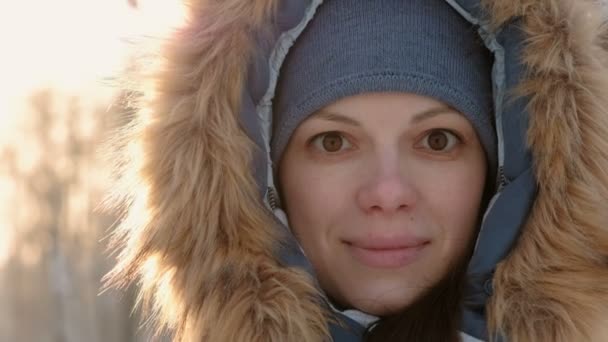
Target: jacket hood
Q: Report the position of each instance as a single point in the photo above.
(196, 188)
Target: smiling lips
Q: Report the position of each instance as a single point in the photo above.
(386, 252)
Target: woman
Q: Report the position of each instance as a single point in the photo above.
(388, 170)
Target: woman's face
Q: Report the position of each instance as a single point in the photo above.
(383, 192)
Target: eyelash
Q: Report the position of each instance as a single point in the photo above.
(455, 135)
(317, 137)
(426, 135)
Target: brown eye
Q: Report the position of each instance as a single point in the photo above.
(440, 140)
(331, 142)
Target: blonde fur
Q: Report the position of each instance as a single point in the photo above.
(195, 234)
(197, 239)
(554, 284)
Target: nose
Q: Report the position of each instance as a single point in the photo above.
(390, 189)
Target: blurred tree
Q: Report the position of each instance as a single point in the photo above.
(50, 283)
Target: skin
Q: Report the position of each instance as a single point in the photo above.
(383, 192)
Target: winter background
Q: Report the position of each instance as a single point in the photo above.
(57, 105)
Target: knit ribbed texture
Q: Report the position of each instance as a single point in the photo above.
(357, 46)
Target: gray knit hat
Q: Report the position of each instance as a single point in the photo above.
(357, 46)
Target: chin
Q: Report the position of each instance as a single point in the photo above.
(382, 309)
(385, 303)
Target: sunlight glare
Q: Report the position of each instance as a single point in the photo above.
(73, 44)
(70, 47)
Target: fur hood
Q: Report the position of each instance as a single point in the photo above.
(212, 262)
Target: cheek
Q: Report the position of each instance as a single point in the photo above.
(454, 197)
(313, 199)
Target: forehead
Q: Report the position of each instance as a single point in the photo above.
(385, 99)
(378, 108)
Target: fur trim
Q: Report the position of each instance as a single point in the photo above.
(195, 234)
(197, 238)
(554, 284)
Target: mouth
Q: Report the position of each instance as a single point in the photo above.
(386, 253)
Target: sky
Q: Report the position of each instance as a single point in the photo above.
(69, 46)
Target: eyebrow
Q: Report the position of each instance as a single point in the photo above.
(331, 116)
(427, 114)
